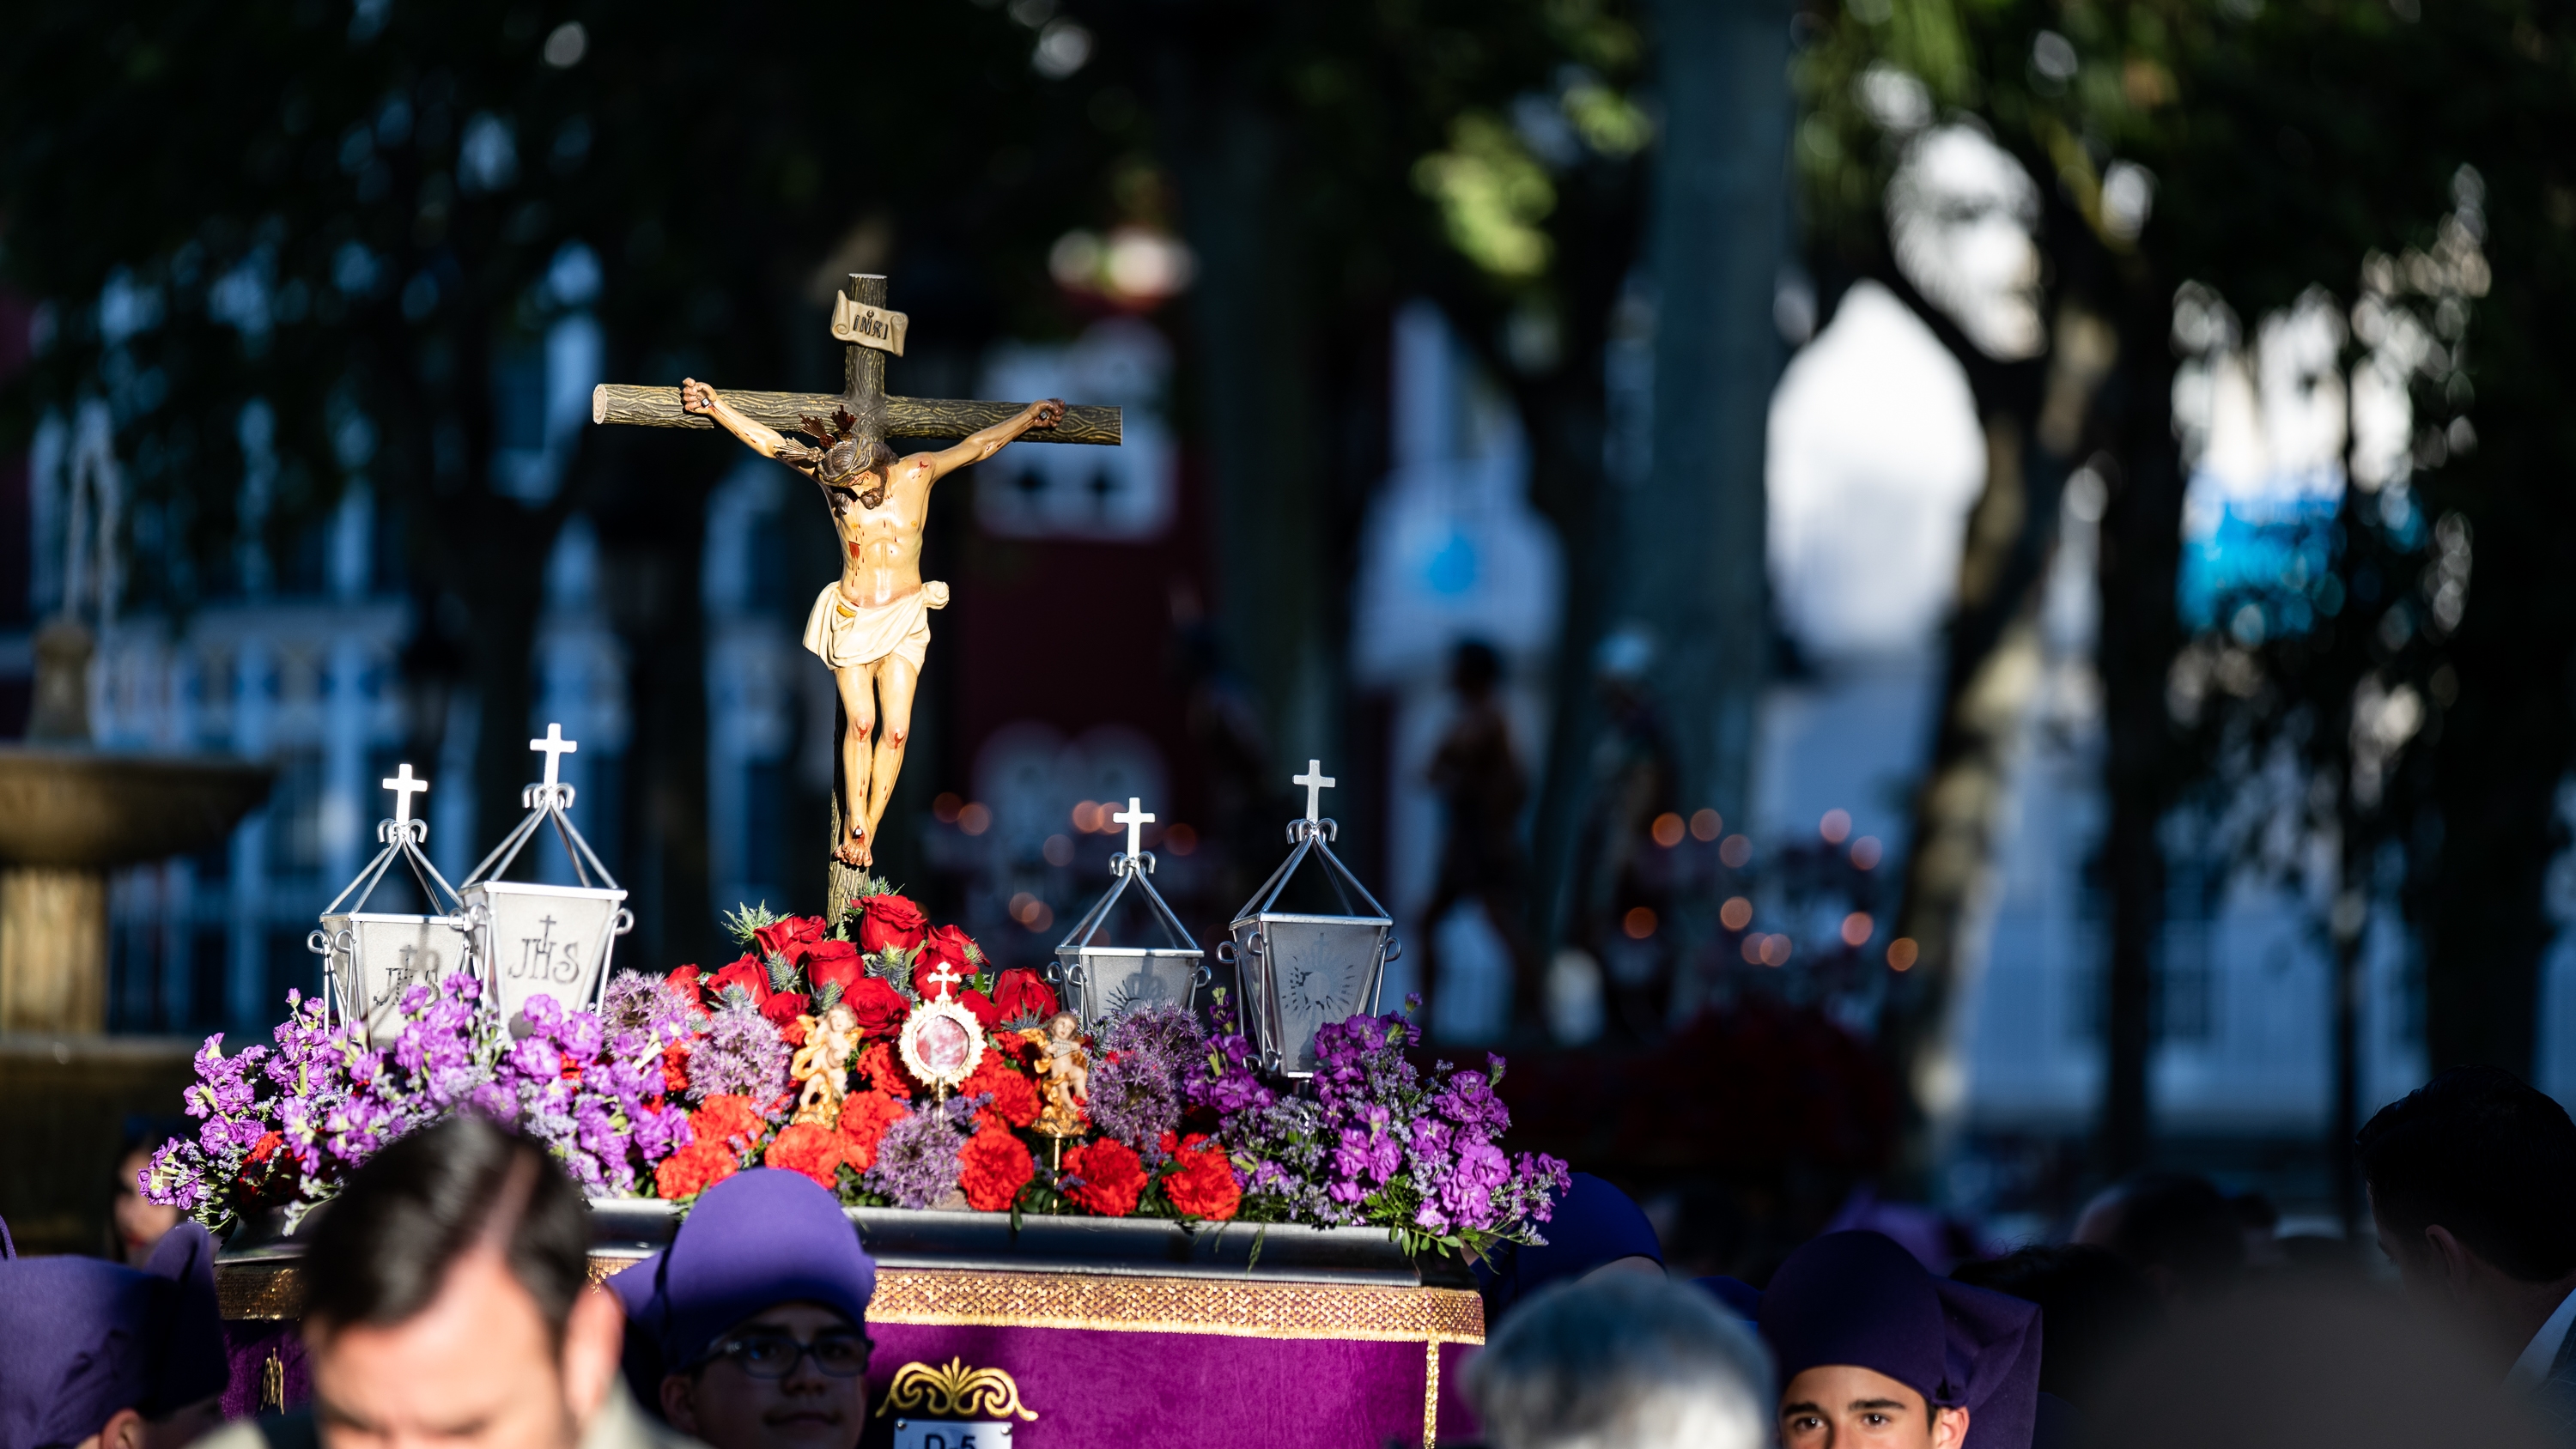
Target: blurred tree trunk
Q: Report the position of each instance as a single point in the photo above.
(1693, 554)
(654, 556)
(1251, 313)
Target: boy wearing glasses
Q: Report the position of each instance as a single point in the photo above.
(757, 1313)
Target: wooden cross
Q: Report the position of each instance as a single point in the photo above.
(1316, 783)
(946, 976)
(871, 333)
(404, 785)
(553, 746)
(1135, 819)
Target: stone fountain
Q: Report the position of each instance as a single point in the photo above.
(70, 813)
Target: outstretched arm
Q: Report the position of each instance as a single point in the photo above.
(697, 397)
(985, 444)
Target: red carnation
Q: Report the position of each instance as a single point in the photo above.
(879, 1007)
(725, 1117)
(865, 1116)
(831, 961)
(878, 1067)
(994, 1167)
(746, 973)
(693, 1169)
(685, 980)
(675, 1069)
(782, 937)
(1201, 1181)
(887, 920)
(949, 947)
(808, 1148)
(1110, 1174)
(1020, 993)
(1015, 1098)
(266, 1147)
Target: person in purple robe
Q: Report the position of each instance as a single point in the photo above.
(1874, 1350)
(97, 1355)
(750, 1330)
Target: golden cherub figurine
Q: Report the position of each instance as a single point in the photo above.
(1066, 1068)
(822, 1065)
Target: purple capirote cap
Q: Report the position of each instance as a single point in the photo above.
(1857, 1298)
(81, 1338)
(754, 1241)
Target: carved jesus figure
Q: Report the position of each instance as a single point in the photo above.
(872, 627)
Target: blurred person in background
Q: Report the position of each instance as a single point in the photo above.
(2093, 1307)
(447, 1300)
(1593, 1230)
(2472, 1181)
(95, 1355)
(1622, 889)
(1477, 773)
(1873, 1350)
(1621, 1359)
(750, 1330)
(2260, 1223)
(2300, 1365)
(139, 1224)
(2175, 1227)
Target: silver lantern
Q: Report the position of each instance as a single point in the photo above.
(1298, 972)
(1103, 982)
(554, 940)
(372, 957)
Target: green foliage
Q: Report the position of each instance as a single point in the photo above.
(743, 922)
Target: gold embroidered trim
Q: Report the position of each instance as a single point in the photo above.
(1430, 1394)
(1218, 1307)
(938, 1297)
(954, 1391)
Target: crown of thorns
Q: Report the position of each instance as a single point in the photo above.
(835, 454)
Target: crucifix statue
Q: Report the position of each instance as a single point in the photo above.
(871, 626)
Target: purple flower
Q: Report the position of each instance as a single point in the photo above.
(917, 1160)
(742, 1053)
(1133, 1098)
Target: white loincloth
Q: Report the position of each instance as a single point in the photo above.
(842, 634)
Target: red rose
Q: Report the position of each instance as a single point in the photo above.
(831, 961)
(879, 1007)
(946, 947)
(780, 938)
(887, 920)
(994, 1167)
(1022, 993)
(865, 1116)
(808, 1148)
(725, 1118)
(693, 1169)
(1110, 1175)
(1015, 1098)
(782, 1009)
(981, 1007)
(675, 1069)
(1201, 1180)
(878, 1067)
(746, 973)
(685, 981)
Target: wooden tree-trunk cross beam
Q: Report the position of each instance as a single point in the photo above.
(861, 320)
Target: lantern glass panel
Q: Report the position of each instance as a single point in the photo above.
(1111, 981)
(542, 939)
(1313, 971)
(376, 957)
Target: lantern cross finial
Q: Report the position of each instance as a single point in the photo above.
(947, 977)
(1316, 783)
(553, 746)
(1135, 818)
(405, 784)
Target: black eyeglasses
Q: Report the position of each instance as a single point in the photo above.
(838, 1352)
